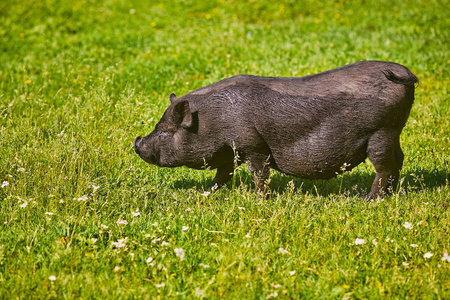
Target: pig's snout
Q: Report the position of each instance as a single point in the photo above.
(136, 144)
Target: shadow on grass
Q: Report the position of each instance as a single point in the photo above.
(355, 183)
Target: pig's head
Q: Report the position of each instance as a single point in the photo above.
(170, 142)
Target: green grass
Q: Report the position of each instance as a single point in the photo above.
(79, 80)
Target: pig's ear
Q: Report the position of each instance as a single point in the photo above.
(173, 97)
(182, 115)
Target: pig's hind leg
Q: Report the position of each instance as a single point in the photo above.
(259, 166)
(387, 157)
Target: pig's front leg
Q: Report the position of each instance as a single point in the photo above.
(223, 175)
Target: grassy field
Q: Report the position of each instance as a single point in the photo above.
(83, 217)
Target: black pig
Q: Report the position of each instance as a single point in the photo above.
(311, 127)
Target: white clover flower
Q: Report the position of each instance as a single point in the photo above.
(204, 266)
(120, 243)
(428, 255)
(104, 226)
(408, 225)
(116, 269)
(374, 241)
(292, 273)
(179, 252)
(414, 245)
(273, 295)
(149, 260)
(241, 208)
(185, 228)
(164, 243)
(122, 222)
(5, 184)
(24, 204)
(283, 251)
(188, 209)
(52, 278)
(405, 264)
(160, 285)
(49, 213)
(360, 241)
(446, 257)
(82, 198)
(135, 213)
(95, 187)
(247, 236)
(206, 194)
(21, 170)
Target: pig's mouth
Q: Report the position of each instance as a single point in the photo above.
(146, 154)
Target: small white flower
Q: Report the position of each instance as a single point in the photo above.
(426, 203)
(408, 225)
(135, 213)
(95, 187)
(21, 170)
(273, 295)
(204, 266)
(292, 273)
(164, 243)
(116, 269)
(206, 194)
(155, 224)
(185, 228)
(360, 241)
(283, 251)
(52, 278)
(104, 226)
(24, 204)
(5, 184)
(49, 213)
(387, 240)
(156, 240)
(149, 260)
(341, 218)
(247, 236)
(179, 252)
(82, 198)
(122, 222)
(160, 285)
(405, 264)
(446, 257)
(414, 245)
(420, 223)
(120, 243)
(188, 209)
(428, 255)
(241, 208)
(374, 241)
